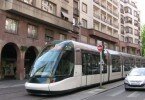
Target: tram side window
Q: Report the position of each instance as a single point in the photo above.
(66, 64)
(86, 62)
(90, 64)
(127, 64)
(116, 62)
(143, 62)
(105, 66)
(138, 62)
(132, 62)
(95, 64)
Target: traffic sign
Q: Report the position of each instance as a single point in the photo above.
(100, 48)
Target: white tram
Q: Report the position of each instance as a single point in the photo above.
(70, 65)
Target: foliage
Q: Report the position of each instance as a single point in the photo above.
(143, 40)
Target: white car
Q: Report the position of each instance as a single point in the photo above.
(135, 79)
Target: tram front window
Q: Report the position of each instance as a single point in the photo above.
(54, 65)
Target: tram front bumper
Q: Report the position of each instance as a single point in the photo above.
(39, 89)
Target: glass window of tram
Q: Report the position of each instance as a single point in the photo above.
(66, 64)
(116, 63)
(90, 63)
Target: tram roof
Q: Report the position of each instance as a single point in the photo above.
(85, 46)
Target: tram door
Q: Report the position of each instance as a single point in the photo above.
(90, 67)
(84, 68)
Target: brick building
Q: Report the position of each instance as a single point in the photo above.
(27, 25)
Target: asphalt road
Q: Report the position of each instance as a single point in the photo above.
(119, 93)
(17, 92)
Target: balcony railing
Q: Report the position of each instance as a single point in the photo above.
(29, 11)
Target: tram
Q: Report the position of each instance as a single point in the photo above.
(70, 65)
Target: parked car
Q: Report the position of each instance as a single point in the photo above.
(135, 79)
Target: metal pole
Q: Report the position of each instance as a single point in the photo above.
(100, 69)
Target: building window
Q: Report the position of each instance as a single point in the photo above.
(122, 29)
(130, 39)
(32, 31)
(64, 14)
(128, 20)
(84, 23)
(75, 21)
(128, 10)
(122, 19)
(62, 37)
(128, 30)
(49, 35)
(96, 25)
(136, 41)
(11, 25)
(49, 6)
(135, 13)
(136, 32)
(122, 38)
(136, 23)
(84, 7)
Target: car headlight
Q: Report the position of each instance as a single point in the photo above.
(143, 82)
(126, 81)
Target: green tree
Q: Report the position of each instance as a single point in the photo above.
(143, 40)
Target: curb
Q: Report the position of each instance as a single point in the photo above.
(102, 91)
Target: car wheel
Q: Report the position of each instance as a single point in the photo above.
(126, 89)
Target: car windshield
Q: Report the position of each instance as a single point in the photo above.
(137, 72)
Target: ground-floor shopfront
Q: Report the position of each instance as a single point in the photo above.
(16, 61)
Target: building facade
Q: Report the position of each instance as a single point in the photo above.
(112, 23)
(129, 27)
(27, 25)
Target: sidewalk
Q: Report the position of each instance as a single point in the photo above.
(11, 83)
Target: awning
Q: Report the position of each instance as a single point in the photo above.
(65, 14)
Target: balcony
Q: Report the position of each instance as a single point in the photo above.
(96, 15)
(76, 11)
(132, 45)
(122, 11)
(26, 10)
(103, 36)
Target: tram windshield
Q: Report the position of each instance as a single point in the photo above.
(56, 63)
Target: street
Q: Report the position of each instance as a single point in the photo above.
(112, 91)
(119, 93)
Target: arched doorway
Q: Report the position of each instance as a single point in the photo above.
(30, 57)
(9, 60)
